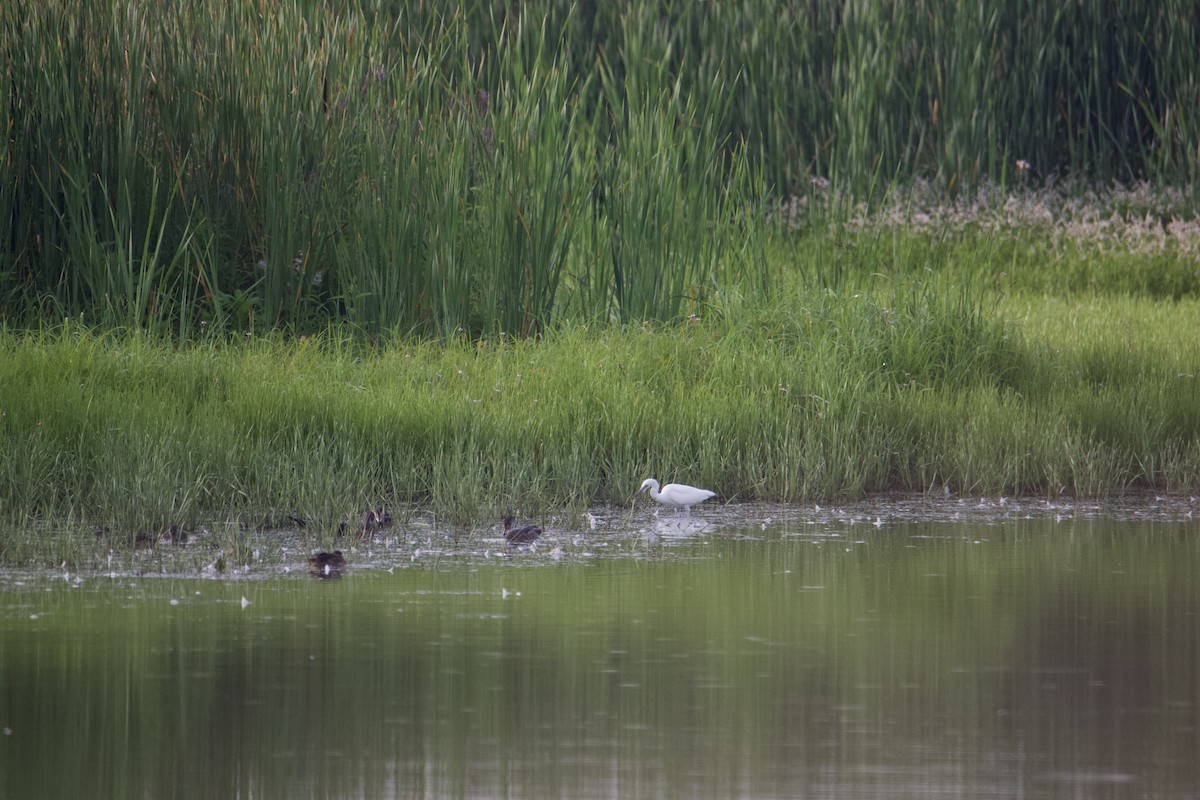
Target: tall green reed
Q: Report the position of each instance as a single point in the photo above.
(535, 188)
(326, 162)
(95, 223)
(289, 163)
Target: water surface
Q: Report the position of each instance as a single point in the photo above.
(899, 648)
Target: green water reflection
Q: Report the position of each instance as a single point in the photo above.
(1025, 658)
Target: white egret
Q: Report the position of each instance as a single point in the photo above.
(676, 495)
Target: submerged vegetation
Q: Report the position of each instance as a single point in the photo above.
(267, 260)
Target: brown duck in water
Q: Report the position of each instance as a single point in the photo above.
(326, 565)
(144, 539)
(526, 534)
(375, 520)
(371, 522)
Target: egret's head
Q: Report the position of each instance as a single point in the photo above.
(647, 484)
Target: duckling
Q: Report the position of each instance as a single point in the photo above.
(372, 521)
(369, 523)
(326, 565)
(526, 534)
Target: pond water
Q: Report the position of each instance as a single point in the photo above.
(896, 648)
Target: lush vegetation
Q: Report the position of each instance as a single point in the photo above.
(439, 167)
(258, 165)
(272, 259)
(912, 387)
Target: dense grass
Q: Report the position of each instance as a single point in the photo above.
(287, 164)
(437, 168)
(1077, 242)
(909, 387)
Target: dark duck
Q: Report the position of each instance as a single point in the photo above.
(326, 565)
(526, 534)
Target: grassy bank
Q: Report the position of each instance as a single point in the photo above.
(822, 394)
(1032, 342)
(308, 257)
